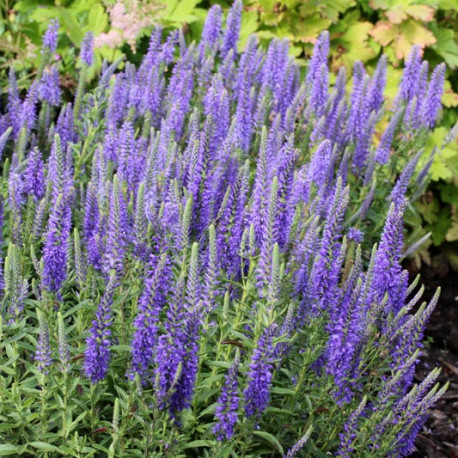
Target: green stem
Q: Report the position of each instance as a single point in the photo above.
(79, 93)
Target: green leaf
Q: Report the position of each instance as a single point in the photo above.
(44, 446)
(448, 5)
(73, 29)
(97, 19)
(27, 6)
(73, 424)
(44, 15)
(9, 449)
(125, 348)
(200, 443)
(332, 8)
(441, 227)
(271, 439)
(446, 45)
(178, 12)
(249, 26)
(279, 390)
(209, 410)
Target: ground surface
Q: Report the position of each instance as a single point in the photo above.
(439, 437)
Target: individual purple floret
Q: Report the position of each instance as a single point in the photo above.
(97, 354)
(228, 405)
(260, 375)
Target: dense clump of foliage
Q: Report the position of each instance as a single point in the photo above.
(190, 267)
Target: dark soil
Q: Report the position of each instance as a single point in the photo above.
(439, 436)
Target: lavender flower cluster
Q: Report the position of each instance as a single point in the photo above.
(225, 183)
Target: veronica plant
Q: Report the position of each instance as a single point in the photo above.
(192, 268)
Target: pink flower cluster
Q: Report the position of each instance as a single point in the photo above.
(127, 20)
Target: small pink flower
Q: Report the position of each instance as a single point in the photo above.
(111, 39)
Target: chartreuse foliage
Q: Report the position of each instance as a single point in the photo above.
(188, 257)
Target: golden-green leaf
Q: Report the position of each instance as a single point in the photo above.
(249, 26)
(402, 36)
(421, 12)
(384, 33)
(307, 30)
(354, 45)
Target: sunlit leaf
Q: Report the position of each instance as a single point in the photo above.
(446, 45)
(307, 30)
(421, 12)
(384, 33)
(249, 26)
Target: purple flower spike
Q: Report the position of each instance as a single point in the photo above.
(350, 431)
(387, 270)
(97, 355)
(211, 33)
(87, 51)
(410, 76)
(49, 89)
(432, 100)
(319, 58)
(56, 245)
(117, 231)
(382, 154)
(33, 181)
(232, 30)
(377, 85)
(228, 405)
(43, 351)
(260, 374)
(150, 304)
(50, 36)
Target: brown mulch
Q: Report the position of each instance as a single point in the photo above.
(439, 436)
